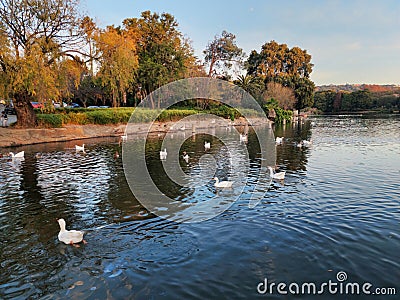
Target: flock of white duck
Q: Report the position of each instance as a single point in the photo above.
(243, 138)
(19, 156)
(74, 237)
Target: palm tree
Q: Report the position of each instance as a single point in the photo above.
(250, 84)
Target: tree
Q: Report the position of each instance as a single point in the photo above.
(289, 67)
(283, 95)
(357, 100)
(304, 91)
(337, 103)
(118, 62)
(324, 100)
(222, 52)
(90, 91)
(164, 54)
(70, 74)
(250, 84)
(90, 29)
(277, 60)
(37, 34)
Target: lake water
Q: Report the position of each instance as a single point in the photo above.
(338, 210)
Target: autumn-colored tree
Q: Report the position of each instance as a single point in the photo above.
(277, 59)
(303, 89)
(90, 29)
(283, 95)
(35, 35)
(70, 74)
(164, 54)
(289, 67)
(118, 62)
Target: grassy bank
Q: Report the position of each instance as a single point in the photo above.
(104, 116)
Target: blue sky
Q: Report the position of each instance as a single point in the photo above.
(350, 41)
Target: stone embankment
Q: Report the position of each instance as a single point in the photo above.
(10, 137)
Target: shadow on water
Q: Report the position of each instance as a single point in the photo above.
(328, 215)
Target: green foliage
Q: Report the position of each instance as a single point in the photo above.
(225, 111)
(251, 84)
(331, 101)
(289, 67)
(324, 100)
(64, 116)
(303, 88)
(251, 113)
(359, 100)
(164, 55)
(281, 114)
(50, 120)
(175, 114)
(277, 59)
(222, 52)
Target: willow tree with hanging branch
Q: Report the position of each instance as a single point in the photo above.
(36, 35)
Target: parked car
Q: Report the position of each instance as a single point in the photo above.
(58, 105)
(37, 105)
(74, 105)
(8, 107)
(10, 110)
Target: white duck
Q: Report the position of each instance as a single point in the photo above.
(18, 155)
(222, 184)
(243, 137)
(163, 154)
(69, 236)
(80, 148)
(280, 175)
(306, 143)
(279, 140)
(207, 145)
(185, 156)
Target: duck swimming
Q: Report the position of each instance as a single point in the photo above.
(69, 236)
(222, 184)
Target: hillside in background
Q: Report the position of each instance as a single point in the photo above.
(358, 87)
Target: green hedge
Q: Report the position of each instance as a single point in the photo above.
(50, 120)
(122, 115)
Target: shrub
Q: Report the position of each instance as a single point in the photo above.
(102, 116)
(50, 120)
(282, 114)
(175, 114)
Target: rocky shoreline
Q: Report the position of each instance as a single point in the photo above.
(12, 137)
